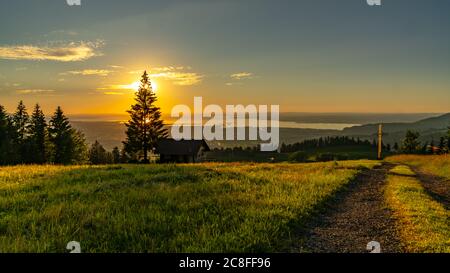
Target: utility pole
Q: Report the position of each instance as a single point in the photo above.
(380, 141)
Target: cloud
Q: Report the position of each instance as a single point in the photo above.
(117, 87)
(71, 52)
(62, 32)
(35, 91)
(242, 76)
(7, 84)
(233, 83)
(89, 72)
(176, 74)
(155, 70)
(179, 78)
(113, 93)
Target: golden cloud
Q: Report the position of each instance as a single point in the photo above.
(35, 91)
(113, 93)
(117, 87)
(71, 52)
(89, 72)
(242, 76)
(179, 78)
(175, 74)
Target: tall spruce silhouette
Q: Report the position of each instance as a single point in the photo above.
(145, 126)
(21, 123)
(61, 136)
(8, 152)
(38, 135)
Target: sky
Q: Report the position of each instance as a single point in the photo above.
(304, 55)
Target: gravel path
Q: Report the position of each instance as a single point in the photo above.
(357, 217)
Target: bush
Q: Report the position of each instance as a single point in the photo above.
(326, 157)
(298, 157)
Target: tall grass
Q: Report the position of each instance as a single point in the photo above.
(163, 208)
(423, 222)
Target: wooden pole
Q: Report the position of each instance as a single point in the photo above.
(380, 141)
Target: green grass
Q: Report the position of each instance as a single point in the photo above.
(423, 222)
(433, 164)
(402, 170)
(163, 208)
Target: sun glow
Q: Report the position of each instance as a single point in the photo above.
(137, 84)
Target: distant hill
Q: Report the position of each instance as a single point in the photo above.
(355, 118)
(428, 124)
(430, 129)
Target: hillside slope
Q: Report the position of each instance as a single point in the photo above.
(429, 124)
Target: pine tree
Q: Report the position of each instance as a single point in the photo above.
(124, 157)
(430, 148)
(8, 151)
(145, 126)
(38, 136)
(116, 155)
(20, 121)
(79, 148)
(442, 145)
(60, 135)
(411, 143)
(448, 140)
(396, 147)
(97, 154)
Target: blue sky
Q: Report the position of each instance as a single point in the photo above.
(307, 56)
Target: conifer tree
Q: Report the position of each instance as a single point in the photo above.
(8, 151)
(61, 136)
(116, 155)
(97, 154)
(21, 123)
(411, 143)
(38, 136)
(145, 126)
(448, 140)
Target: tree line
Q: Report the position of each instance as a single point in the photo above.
(409, 145)
(327, 142)
(26, 139)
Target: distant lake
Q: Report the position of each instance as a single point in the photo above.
(302, 125)
(323, 126)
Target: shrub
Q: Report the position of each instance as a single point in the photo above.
(298, 157)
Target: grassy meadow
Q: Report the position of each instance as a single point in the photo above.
(164, 208)
(423, 222)
(433, 164)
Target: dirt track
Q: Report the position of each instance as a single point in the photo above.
(357, 217)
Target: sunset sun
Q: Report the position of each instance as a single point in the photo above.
(135, 86)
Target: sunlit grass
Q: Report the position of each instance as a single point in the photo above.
(163, 208)
(433, 164)
(402, 170)
(423, 222)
